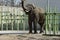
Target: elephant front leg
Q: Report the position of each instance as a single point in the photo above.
(35, 26)
(30, 26)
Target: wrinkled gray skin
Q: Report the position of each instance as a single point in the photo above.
(35, 15)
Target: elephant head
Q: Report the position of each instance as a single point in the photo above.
(30, 7)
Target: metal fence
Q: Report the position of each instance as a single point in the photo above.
(52, 24)
(11, 19)
(14, 22)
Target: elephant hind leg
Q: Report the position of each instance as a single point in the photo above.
(41, 27)
(30, 26)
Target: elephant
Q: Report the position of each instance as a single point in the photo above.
(35, 15)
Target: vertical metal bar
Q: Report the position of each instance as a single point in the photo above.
(1, 19)
(56, 23)
(17, 23)
(53, 24)
(8, 17)
(6, 21)
(17, 20)
(49, 24)
(12, 21)
(46, 26)
(21, 22)
(46, 29)
(58, 28)
(12, 18)
(57, 20)
(12, 24)
(24, 23)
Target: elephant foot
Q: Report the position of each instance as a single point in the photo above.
(35, 32)
(41, 31)
(30, 32)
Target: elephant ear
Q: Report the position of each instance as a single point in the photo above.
(42, 10)
(38, 10)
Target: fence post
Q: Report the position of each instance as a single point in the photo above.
(54, 27)
(46, 23)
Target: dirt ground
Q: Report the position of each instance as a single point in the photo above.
(27, 37)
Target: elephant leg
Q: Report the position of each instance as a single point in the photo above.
(30, 26)
(41, 27)
(35, 26)
(41, 23)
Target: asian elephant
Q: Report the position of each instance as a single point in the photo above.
(35, 15)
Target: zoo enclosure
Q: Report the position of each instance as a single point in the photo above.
(12, 21)
(13, 18)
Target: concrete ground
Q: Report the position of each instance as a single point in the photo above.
(23, 35)
(28, 37)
